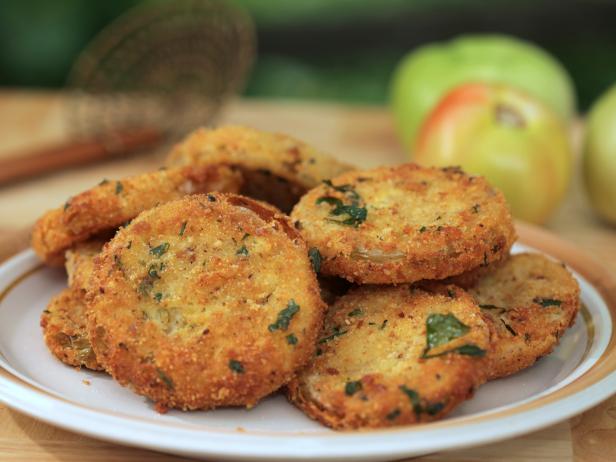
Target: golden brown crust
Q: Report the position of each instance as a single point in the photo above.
(64, 330)
(189, 305)
(79, 262)
(529, 302)
(468, 279)
(373, 367)
(277, 167)
(408, 223)
(113, 203)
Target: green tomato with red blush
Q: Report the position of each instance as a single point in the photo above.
(518, 143)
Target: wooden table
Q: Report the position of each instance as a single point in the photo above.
(362, 135)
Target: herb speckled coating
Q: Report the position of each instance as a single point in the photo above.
(64, 330)
(511, 296)
(420, 223)
(179, 314)
(370, 357)
(64, 320)
(112, 203)
(278, 168)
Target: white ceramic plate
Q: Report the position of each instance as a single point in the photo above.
(578, 375)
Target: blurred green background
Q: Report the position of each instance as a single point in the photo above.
(342, 50)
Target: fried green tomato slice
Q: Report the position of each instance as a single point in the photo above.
(394, 355)
(278, 169)
(113, 203)
(404, 223)
(529, 301)
(206, 301)
(64, 330)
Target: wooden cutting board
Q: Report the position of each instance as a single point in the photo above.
(360, 135)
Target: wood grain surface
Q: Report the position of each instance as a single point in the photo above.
(361, 135)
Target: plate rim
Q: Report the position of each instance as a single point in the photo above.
(393, 442)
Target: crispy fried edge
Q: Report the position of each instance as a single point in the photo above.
(54, 322)
(480, 249)
(378, 418)
(247, 395)
(282, 155)
(81, 217)
(504, 362)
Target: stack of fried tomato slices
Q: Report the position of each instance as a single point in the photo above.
(252, 262)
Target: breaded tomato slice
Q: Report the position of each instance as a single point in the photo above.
(64, 330)
(206, 301)
(394, 355)
(530, 301)
(113, 203)
(64, 320)
(404, 223)
(278, 169)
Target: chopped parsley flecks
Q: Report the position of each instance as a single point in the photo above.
(147, 283)
(315, 259)
(418, 408)
(433, 408)
(545, 302)
(291, 339)
(393, 415)
(443, 328)
(329, 200)
(165, 379)
(346, 189)
(356, 312)
(158, 296)
(475, 208)
(103, 182)
(284, 317)
(467, 349)
(423, 229)
(352, 387)
(182, 228)
(346, 214)
(243, 250)
(67, 204)
(413, 396)
(470, 350)
(337, 332)
(119, 187)
(160, 250)
(236, 366)
(383, 324)
(153, 272)
(350, 215)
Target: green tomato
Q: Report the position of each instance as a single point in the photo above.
(599, 158)
(506, 135)
(427, 73)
